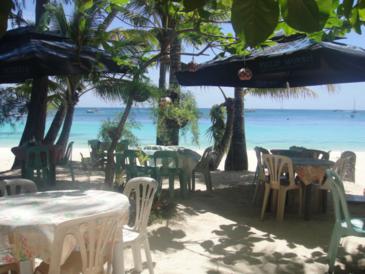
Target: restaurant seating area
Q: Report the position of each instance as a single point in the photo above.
(256, 216)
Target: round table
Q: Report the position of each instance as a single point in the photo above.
(30, 220)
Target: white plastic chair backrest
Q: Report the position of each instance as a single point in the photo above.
(95, 236)
(3, 189)
(260, 151)
(335, 184)
(20, 186)
(278, 166)
(141, 191)
(339, 167)
(349, 164)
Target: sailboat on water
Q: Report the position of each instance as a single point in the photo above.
(352, 115)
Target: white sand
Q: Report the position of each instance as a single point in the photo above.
(220, 232)
(7, 158)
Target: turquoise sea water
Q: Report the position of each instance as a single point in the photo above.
(322, 129)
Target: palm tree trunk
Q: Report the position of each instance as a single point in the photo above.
(37, 112)
(39, 9)
(71, 99)
(237, 154)
(174, 88)
(66, 128)
(161, 127)
(110, 164)
(56, 125)
(37, 109)
(221, 148)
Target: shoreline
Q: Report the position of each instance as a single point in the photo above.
(7, 158)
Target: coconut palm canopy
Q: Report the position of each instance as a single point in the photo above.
(26, 54)
(302, 62)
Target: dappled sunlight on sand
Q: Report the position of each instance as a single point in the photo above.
(220, 232)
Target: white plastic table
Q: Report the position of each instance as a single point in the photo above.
(30, 220)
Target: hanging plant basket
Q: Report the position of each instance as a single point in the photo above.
(140, 96)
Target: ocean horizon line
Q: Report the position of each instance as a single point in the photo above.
(250, 108)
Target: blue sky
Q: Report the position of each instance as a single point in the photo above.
(346, 96)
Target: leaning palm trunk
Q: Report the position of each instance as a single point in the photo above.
(66, 129)
(36, 118)
(56, 125)
(110, 164)
(222, 146)
(237, 154)
(71, 98)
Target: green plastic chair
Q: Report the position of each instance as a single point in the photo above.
(37, 163)
(344, 225)
(122, 146)
(95, 155)
(66, 161)
(204, 166)
(133, 167)
(167, 165)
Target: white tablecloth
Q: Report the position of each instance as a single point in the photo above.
(32, 219)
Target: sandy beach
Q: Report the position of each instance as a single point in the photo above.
(221, 232)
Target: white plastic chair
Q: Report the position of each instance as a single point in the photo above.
(141, 191)
(344, 224)
(12, 264)
(277, 166)
(20, 186)
(95, 238)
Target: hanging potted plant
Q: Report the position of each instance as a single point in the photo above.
(182, 114)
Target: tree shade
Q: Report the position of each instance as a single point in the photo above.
(26, 54)
(302, 62)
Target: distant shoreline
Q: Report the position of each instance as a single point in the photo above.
(289, 109)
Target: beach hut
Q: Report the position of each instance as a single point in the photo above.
(28, 54)
(301, 62)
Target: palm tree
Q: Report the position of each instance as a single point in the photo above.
(84, 28)
(237, 154)
(173, 28)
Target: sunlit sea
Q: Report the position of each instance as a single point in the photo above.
(322, 129)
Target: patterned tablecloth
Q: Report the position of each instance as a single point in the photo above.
(310, 170)
(29, 221)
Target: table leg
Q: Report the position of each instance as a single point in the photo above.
(307, 201)
(324, 200)
(25, 267)
(52, 174)
(118, 258)
(24, 173)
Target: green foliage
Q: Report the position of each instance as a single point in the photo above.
(193, 5)
(183, 114)
(218, 118)
(5, 8)
(12, 105)
(109, 125)
(119, 89)
(302, 15)
(254, 20)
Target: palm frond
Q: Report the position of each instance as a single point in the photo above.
(281, 93)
